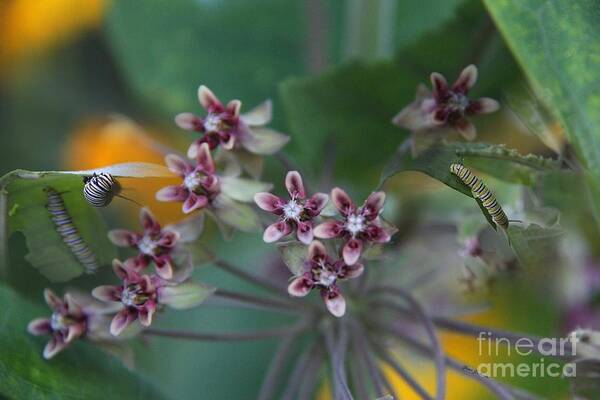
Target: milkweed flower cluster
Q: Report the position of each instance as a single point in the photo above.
(360, 226)
(446, 106)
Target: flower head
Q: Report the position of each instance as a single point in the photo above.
(223, 125)
(137, 294)
(296, 214)
(200, 185)
(359, 225)
(446, 106)
(72, 317)
(323, 273)
(153, 244)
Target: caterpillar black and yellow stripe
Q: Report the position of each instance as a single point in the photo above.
(481, 192)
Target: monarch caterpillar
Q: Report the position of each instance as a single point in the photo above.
(481, 192)
(68, 232)
(99, 189)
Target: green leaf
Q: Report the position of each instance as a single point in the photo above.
(534, 245)
(167, 49)
(82, 371)
(27, 213)
(293, 255)
(557, 43)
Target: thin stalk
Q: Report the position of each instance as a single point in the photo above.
(214, 302)
(300, 369)
(440, 365)
(384, 378)
(358, 375)
(339, 382)
(269, 386)
(310, 381)
(503, 393)
(374, 373)
(400, 370)
(227, 336)
(248, 298)
(249, 277)
(3, 234)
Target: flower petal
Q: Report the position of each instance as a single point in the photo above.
(352, 250)
(373, 205)
(379, 234)
(148, 221)
(234, 107)
(336, 304)
(299, 287)
(294, 185)
(74, 331)
(53, 347)
(305, 232)
(276, 231)
(228, 143)
(122, 320)
(315, 204)
(329, 229)
(263, 141)
(268, 202)
(466, 79)
(194, 202)
(466, 128)
(353, 271)
(164, 267)
(53, 301)
(342, 201)
(189, 121)
(172, 193)
(484, 105)
(168, 237)
(39, 326)
(145, 314)
(107, 293)
(177, 165)
(317, 251)
(439, 86)
(259, 115)
(204, 159)
(207, 98)
(123, 238)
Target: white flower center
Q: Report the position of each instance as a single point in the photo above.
(292, 210)
(147, 245)
(192, 181)
(58, 321)
(213, 123)
(132, 295)
(458, 102)
(327, 278)
(355, 224)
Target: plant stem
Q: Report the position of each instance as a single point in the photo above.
(247, 276)
(227, 336)
(374, 373)
(336, 354)
(269, 386)
(310, 380)
(265, 302)
(300, 369)
(431, 332)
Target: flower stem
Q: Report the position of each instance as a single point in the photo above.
(256, 280)
(362, 348)
(228, 336)
(336, 354)
(296, 379)
(261, 301)
(431, 332)
(269, 386)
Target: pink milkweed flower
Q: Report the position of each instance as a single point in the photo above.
(297, 213)
(141, 295)
(446, 106)
(359, 226)
(200, 184)
(323, 273)
(72, 317)
(137, 294)
(154, 244)
(223, 125)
